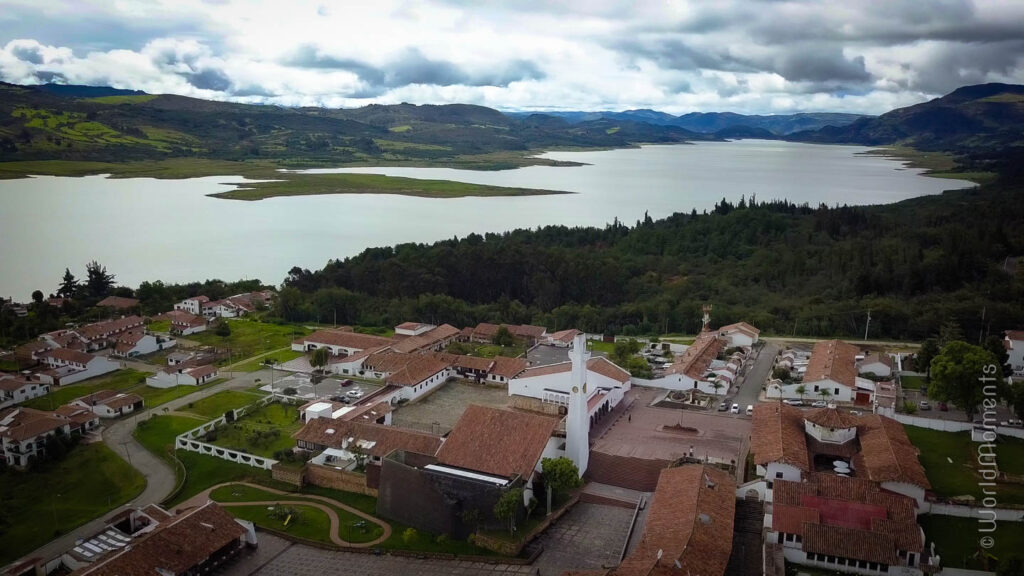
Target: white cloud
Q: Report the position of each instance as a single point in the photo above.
(740, 55)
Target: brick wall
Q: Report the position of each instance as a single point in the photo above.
(625, 471)
(328, 477)
(291, 476)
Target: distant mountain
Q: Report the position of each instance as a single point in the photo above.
(106, 124)
(712, 122)
(985, 116)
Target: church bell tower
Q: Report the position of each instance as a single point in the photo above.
(577, 426)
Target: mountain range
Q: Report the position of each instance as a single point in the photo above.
(57, 122)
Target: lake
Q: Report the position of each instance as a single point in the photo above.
(147, 229)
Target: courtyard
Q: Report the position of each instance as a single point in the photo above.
(446, 405)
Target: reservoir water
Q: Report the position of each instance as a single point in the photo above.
(170, 230)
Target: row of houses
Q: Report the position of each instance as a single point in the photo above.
(835, 370)
(700, 368)
(230, 307)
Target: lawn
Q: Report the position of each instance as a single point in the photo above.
(121, 380)
(912, 382)
(159, 326)
(36, 506)
(303, 521)
(956, 539)
(216, 405)
(249, 337)
(601, 346)
(156, 396)
(157, 434)
(949, 459)
(259, 363)
(486, 350)
(352, 528)
(261, 432)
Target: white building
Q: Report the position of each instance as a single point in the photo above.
(341, 342)
(192, 305)
(877, 364)
(739, 334)
(697, 368)
(549, 388)
(138, 343)
(1013, 341)
(70, 366)
(110, 404)
(15, 390)
(184, 323)
(831, 375)
(184, 374)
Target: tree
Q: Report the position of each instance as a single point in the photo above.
(503, 337)
(801, 390)
(717, 385)
(98, 281)
(825, 393)
(929, 350)
(994, 344)
(638, 367)
(507, 507)
(320, 358)
(560, 475)
(37, 296)
(950, 332)
(780, 373)
(960, 373)
(222, 329)
(1015, 397)
(409, 536)
(68, 285)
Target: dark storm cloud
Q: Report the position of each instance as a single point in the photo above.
(821, 66)
(88, 30)
(677, 54)
(30, 54)
(209, 79)
(413, 67)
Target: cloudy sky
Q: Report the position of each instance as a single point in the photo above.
(749, 56)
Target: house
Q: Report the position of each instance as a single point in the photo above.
(351, 444)
(82, 420)
(192, 305)
(435, 339)
(24, 431)
(420, 376)
(689, 525)
(118, 303)
(137, 343)
(182, 374)
(546, 389)
(877, 364)
(831, 374)
(341, 342)
(110, 404)
(100, 334)
(1013, 341)
(184, 323)
(222, 309)
(175, 358)
(152, 540)
(379, 412)
(562, 338)
(65, 339)
(504, 369)
(30, 353)
(16, 389)
(790, 444)
(489, 451)
(412, 328)
(847, 524)
(739, 334)
(696, 368)
(69, 366)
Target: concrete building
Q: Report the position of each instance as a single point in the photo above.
(69, 366)
(182, 374)
(1013, 341)
(16, 389)
(192, 305)
(739, 334)
(110, 404)
(831, 375)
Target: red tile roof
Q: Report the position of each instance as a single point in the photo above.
(118, 302)
(508, 367)
(690, 521)
(419, 369)
(564, 335)
(28, 423)
(344, 339)
(694, 362)
(849, 543)
(11, 384)
(886, 453)
(831, 418)
(109, 327)
(176, 545)
(598, 365)
(426, 340)
(741, 327)
(833, 360)
(68, 355)
(777, 435)
(385, 439)
(498, 442)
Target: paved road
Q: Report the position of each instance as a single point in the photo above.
(160, 478)
(756, 376)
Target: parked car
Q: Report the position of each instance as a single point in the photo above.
(346, 383)
(354, 393)
(856, 412)
(735, 409)
(793, 402)
(924, 405)
(750, 409)
(943, 407)
(724, 406)
(820, 404)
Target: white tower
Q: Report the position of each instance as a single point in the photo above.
(577, 426)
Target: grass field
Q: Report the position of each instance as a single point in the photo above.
(249, 338)
(956, 540)
(912, 382)
(215, 406)
(279, 420)
(949, 459)
(352, 528)
(36, 506)
(157, 434)
(258, 363)
(308, 523)
(159, 326)
(935, 164)
(296, 184)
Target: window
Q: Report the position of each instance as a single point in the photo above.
(778, 475)
(836, 393)
(815, 387)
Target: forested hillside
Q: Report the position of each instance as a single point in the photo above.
(787, 269)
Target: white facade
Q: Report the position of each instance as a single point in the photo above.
(69, 372)
(577, 424)
(836, 392)
(1015, 349)
(426, 386)
(683, 383)
(876, 368)
(15, 391)
(192, 305)
(177, 376)
(148, 344)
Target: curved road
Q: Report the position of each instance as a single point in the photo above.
(160, 477)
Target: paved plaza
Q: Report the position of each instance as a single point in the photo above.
(447, 404)
(589, 537)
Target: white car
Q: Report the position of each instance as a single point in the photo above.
(793, 402)
(820, 404)
(735, 409)
(354, 393)
(750, 409)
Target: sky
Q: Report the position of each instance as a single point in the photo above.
(746, 56)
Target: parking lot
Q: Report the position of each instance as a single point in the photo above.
(447, 404)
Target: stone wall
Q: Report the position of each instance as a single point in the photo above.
(287, 474)
(328, 477)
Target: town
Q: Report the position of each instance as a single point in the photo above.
(206, 439)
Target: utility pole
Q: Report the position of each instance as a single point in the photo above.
(867, 326)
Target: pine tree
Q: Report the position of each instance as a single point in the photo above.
(68, 285)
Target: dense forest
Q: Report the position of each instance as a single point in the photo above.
(788, 269)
